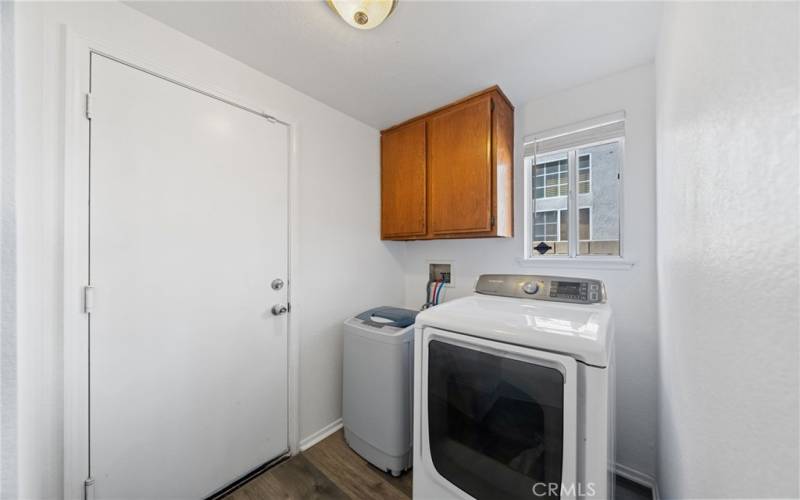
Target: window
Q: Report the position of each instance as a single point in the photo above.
(546, 226)
(585, 224)
(551, 225)
(552, 179)
(573, 185)
(585, 174)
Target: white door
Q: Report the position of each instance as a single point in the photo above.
(188, 228)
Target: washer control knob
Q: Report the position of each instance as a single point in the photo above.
(530, 287)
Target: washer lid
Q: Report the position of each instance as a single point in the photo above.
(388, 316)
(584, 332)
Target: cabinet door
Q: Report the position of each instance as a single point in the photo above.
(403, 182)
(460, 168)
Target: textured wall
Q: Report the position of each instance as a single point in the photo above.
(728, 300)
(8, 260)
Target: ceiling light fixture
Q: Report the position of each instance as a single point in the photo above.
(363, 14)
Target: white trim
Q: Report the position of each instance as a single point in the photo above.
(293, 326)
(597, 121)
(76, 158)
(581, 262)
(75, 223)
(572, 204)
(637, 477)
(621, 195)
(321, 434)
(527, 206)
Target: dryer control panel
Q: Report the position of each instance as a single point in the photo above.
(554, 288)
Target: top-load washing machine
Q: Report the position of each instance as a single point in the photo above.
(377, 386)
(514, 392)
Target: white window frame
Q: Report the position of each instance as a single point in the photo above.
(531, 257)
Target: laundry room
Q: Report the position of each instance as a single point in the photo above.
(394, 249)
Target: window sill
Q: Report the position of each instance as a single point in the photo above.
(578, 262)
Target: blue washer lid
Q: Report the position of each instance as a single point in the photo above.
(399, 317)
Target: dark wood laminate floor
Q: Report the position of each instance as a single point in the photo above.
(331, 470)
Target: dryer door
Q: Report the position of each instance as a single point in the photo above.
(498, 420)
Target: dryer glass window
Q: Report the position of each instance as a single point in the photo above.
(495, 424)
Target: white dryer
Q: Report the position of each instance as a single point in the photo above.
(514, 392)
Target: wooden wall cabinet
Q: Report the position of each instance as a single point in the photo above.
(449, 173)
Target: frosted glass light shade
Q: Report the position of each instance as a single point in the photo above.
(363, 14)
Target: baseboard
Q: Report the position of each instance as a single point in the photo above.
(321, 434)
(638, 477)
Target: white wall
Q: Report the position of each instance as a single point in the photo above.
(8, 256)
(342, 267)
(632, 292)
(728, 250)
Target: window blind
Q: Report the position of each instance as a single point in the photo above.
(597, 130)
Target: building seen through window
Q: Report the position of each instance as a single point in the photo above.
(597, 200)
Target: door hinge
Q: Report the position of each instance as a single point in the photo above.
(88, 489)
(88, 299)
(492, 220)
(88, 106)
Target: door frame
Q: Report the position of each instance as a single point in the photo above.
(76, 149)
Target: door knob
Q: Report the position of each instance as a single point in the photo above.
(279, 309)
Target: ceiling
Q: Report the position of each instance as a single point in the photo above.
(427, 53)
